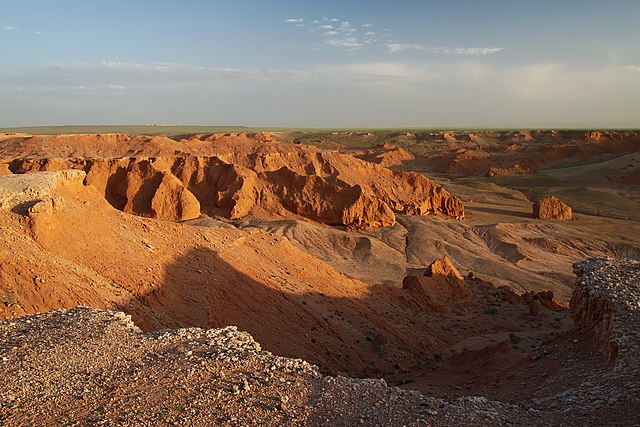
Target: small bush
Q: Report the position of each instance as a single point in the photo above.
(490, 310)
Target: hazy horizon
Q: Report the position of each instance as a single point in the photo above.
(410, 64)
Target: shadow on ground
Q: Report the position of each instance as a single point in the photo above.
(371, 335)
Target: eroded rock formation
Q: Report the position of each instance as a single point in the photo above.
(254, 175)
(552, 208)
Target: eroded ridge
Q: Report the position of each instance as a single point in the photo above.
(598, 374)
(606, 302)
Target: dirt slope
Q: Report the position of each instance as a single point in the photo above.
(526, 256)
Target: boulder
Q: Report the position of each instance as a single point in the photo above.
(552, 208)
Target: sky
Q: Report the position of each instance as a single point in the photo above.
(374, 63)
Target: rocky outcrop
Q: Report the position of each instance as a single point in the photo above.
(516, 169)
(387, 155)
(172, 201)
(36, 193)
(438, 289)
(253, 174)
(544, 299)
(600, 372)
(552, 208)
(443, 267)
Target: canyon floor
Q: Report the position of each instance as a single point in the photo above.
(316, 244)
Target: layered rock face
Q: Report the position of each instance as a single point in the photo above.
(606, 306)
(552, 208)
(256, 175)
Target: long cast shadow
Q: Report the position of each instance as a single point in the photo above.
(499, 211)
(368, 336)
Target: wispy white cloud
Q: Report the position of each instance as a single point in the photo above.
(345, 35)
(399, 47)
(472, 51)
(149, 74)
(298, 22)
(24, 31)
(345, 42)
(338, 33)
(539, 82)
(467, 51)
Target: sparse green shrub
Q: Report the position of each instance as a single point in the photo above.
(378, 345)
(7, 298)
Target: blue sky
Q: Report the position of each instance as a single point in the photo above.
(481, 63)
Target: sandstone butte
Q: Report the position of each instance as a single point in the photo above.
(552, 208)
(234, 175)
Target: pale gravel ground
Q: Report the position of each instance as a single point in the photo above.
(87, 366)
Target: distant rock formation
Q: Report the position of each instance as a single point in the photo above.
(552, 208)
(252, 174)
(513, 170)
(466, 163)
(386, 155)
